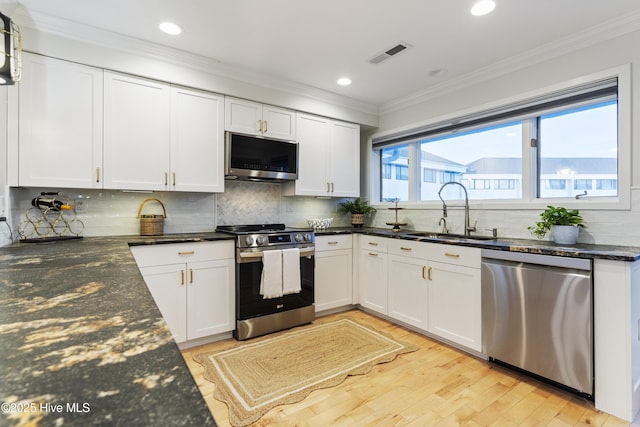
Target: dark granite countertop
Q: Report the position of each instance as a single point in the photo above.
(543, 247)
(83, 343)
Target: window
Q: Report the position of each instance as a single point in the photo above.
(579, 143)
(402, 172)
(561, 144)
(476, 155)
(391, 186)
(504, 184)
(429, 175)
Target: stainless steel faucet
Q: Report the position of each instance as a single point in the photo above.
(467, 226)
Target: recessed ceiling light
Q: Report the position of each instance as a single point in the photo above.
(344, 81)
(483, 7)
(170, 28)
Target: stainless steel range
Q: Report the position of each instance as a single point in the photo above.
(274, 278)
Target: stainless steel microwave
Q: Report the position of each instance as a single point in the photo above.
(254, 158)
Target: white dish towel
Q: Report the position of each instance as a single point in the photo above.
(271, 280)
(291, 271)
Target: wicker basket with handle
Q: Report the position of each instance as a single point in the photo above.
(151, 224)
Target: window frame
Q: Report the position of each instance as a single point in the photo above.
(529, 198)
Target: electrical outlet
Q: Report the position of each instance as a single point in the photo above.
(79, 205)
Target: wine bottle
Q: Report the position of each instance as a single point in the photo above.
(48, 203)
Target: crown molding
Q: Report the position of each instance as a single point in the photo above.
(72, 30)
(602, 32)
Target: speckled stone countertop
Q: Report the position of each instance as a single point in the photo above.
(82, 342)
(543, 247)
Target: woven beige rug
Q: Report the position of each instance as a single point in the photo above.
(253, 377)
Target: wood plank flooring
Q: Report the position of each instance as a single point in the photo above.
(434, 386)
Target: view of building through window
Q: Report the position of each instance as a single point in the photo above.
(577, 153)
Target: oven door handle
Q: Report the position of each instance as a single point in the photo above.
(306, 251)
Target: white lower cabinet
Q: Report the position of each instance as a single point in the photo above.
(333, 272)
(372, 273)
(192, 284)
(433, 287)
(455, 304)
(408, 284)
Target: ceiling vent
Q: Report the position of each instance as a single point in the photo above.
(389, 53)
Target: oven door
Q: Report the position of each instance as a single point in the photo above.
(250, 303)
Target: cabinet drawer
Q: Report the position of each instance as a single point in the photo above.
(174, 253)
(330, 243)
(373, 243)
(457, 255)
(411, 249)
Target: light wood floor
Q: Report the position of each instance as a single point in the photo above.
(434, 386)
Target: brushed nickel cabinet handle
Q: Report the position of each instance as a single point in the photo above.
(166, 179)
(452, 255)
(174, 178)
(332, 243)
(266, 126)
(424, 269)
(186, 252)
(181, 277)
(406, 249)
(429, 273)
(373, 254)
(191, 275)
(373, 243)
(98, 174)
(260, 125)
(332, 187)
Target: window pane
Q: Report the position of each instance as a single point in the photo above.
(579, 146)
(395, 173)
(476, 159)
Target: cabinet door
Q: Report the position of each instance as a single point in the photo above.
(455, 304)
(243, 116)
(278, 123)
(136, 133)
(333, 279)
(373, 280)
(168, 287)
(197, 141)
(408, 290)
(60, 124)
(210, 298)
(344, 159)
(312, 156)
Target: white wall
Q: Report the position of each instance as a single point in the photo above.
(620, 227)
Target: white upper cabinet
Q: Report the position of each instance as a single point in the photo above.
(60, 124)
(137, 133)
(253, 118)
(328, 158)
(197, 141)
(159, 137)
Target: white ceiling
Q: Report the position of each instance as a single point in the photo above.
(313, 43)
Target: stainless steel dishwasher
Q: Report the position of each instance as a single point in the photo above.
(537, 315)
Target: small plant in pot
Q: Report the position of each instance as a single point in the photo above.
(358, 209)
(563, 223)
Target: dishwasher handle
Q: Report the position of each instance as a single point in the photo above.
(546, 260)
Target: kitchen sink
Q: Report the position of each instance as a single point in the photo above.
(435, 235)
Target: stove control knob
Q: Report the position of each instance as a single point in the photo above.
(261, 240)
(248, 240)
(298, 237)
(307, 237)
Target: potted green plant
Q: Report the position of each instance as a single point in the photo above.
(358, 209)
(563, 223)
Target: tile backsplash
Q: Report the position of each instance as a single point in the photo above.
(111, 212)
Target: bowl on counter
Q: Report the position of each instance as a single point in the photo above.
(320, 223)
